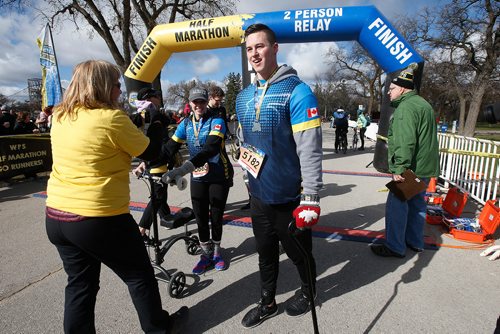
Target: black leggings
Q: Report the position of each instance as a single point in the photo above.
(362, 136)
(162, 208)
(209, 201)
(339, 131)
(116, 242)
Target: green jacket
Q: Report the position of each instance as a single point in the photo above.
(412, 137)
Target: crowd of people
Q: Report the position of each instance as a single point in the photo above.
(280, 150)
(21, 122)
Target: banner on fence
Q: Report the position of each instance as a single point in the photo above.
(24, 154)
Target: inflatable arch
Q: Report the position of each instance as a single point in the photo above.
(364, 24)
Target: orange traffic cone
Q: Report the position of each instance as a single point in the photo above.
(431, 188)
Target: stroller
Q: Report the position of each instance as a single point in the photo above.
(176, 281)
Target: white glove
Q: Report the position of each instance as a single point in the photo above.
(494, 251)
(172, 176)
(181, 183)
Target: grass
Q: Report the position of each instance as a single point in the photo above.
(487, 126)
(494, 137)
(491, 131)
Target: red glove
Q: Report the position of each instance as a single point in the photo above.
(308, 212)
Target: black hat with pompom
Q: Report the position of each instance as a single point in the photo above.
(405, 78)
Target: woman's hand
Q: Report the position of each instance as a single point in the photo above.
(142, 230)
(139, 170)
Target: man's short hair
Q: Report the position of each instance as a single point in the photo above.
(216, 91)
(256, 27)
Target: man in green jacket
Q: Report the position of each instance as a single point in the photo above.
(413, 144)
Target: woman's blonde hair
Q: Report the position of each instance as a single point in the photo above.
(91, 87)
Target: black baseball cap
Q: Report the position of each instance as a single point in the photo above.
(147, 92)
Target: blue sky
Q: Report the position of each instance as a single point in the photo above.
(19, 53)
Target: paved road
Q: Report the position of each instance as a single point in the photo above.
(446, 289)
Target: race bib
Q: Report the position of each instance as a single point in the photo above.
(201, 171)
(251, 159)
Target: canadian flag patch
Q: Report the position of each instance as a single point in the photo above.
(217, 127)
(312, 112)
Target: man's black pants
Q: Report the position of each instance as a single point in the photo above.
(270, 226)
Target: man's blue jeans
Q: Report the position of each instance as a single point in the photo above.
(404, 222)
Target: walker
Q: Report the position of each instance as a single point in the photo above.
(176, 281)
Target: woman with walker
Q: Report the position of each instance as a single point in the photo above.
(212, 175)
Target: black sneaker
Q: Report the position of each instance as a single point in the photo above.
(258, 314)
(178, 320)
(246, 206)
(415, 249)
(383, 250)
(297, 305)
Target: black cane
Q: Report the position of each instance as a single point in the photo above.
(294, 232)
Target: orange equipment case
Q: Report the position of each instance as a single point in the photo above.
(433, 199)
(489, 219)
(453, 205)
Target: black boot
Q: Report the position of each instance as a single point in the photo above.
(246, 206)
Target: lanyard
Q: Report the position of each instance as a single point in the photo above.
(195, 130)
(261, 99)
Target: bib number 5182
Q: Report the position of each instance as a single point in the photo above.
(251, 159)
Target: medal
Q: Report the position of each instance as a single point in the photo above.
(196, 131)
(256, 127)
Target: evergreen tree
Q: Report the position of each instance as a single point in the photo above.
(233, 87)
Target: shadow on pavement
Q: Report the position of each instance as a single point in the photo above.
(21, 189)
(359, 268)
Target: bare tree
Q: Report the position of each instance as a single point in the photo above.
(178, 94)
(357, 67)
(124, 25)
(465, 35)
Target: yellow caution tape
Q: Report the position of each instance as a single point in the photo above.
(382, 137)
(472, 153)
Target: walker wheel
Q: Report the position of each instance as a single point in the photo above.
(192, 248)
(176, 284)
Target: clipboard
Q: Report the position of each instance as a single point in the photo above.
(411, 186)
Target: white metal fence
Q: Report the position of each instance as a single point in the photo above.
(471, 164)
